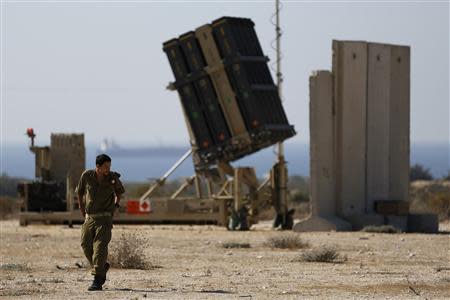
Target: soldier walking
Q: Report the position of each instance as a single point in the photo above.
(99, 192)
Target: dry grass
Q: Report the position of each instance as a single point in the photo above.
(14, 267)
(287, 241)
(234, 245)
(325, 255)
(440, 204)
(128, 253)
(431, 197)
(381, 229)
(9, 207)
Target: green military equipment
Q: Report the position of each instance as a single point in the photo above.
(95, 237)
(99, 195)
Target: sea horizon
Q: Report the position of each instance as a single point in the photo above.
(18, 161)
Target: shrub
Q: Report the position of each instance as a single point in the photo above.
(8, 185)
(431, 197)
(440, 204)
(230, 245)
(447, 177)
(8, 206)
(298, 197)
(419, 172)
(298, 182)
(128, 253)
(14, 267)
(287, 241)
(299, 187)
(381, 229)
(326, 255)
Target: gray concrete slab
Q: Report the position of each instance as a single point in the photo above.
(378, 124)
(321, 143)
(400, 123)
(350, 99)
(360, 143)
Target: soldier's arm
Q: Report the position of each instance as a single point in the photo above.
(80, 191)
(118, 189)
(117, 200)
(81, 204)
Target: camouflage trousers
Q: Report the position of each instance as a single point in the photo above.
(95, 237)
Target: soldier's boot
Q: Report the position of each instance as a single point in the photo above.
(96, 284)
(103, 279)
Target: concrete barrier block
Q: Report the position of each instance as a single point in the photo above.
(350, 99)
(378, 123)
(399, 143)
(321, 129)
(322, 223)
(423, 223)
(399, 222)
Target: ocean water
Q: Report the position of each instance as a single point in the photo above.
(18, 161)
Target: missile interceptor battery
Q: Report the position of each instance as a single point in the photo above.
(205, 91)
(249, 75)
(43, 196)
(228, 95)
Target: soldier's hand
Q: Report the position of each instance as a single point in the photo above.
(116, 208)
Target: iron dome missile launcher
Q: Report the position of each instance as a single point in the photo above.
(229, 98)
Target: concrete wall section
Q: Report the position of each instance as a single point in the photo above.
(350, 96)
(67, 157)
(378, 124)
(359, 138)
(321, 144)
(400, 123)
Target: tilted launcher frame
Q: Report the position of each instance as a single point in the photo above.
(232, 109)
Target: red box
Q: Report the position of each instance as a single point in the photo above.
(133, 207)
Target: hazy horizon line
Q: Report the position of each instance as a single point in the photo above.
(186, 144)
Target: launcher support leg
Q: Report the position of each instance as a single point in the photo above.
(283, 188)
(188, 182)
(209, 188)
(198, 186)
(279, 176)
(161, 181)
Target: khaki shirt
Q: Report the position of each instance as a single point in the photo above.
(99, 195)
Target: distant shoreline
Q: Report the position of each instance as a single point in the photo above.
(18, 161)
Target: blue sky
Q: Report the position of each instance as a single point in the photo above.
(99, 68)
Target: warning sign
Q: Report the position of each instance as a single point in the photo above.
(138, 207)
(144, 205)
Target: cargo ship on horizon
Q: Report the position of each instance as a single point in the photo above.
(110, 147)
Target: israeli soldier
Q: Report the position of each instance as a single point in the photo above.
(99, 192)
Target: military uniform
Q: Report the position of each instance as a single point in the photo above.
(97, 226)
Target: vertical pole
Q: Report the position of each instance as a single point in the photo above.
(209, 188)
(237, 189)
(198, 186)
(278, 50)
(281, 162)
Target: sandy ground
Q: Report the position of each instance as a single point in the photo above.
(39, 261)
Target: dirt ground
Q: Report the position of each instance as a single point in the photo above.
(39, 261)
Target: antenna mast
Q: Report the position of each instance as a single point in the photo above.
(281, 164)
(278, 71)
